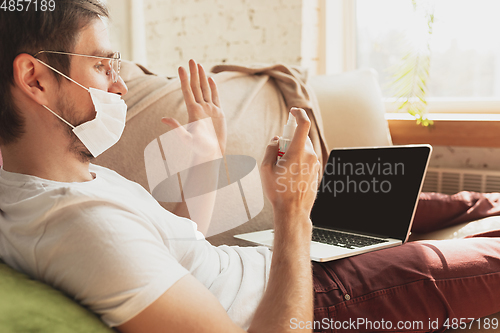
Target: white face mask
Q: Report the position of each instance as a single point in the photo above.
(106, 128)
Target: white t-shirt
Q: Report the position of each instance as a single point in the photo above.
(111, 246)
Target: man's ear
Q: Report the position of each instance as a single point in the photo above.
(32, 78)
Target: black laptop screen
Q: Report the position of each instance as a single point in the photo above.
(371, 190)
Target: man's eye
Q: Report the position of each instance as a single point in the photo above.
(99, 66)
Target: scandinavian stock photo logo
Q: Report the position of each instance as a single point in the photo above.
(360, 177)
(343, 177)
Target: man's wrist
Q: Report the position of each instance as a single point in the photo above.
(292, 228)
(292, 213)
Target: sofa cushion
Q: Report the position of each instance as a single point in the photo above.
(437, 211)
(31, 306)
(255, 111)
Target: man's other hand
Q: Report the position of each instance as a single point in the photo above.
(291, 182)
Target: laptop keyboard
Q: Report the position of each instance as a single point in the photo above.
(347, 241)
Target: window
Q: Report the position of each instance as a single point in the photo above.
(465, 47)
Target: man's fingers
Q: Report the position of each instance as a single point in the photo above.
(171, 122)
(195, 81)
(205, 87)
(271, 153)
(215, 92)
(186, 88)
(302, 131)
(180, 130)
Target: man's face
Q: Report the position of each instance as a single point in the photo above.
(74, 103)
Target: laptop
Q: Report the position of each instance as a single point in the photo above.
(366, 201)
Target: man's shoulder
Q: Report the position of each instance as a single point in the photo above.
(113, 178)
(102, 171)
(35, 198)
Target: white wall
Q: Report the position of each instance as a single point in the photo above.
(216, 31)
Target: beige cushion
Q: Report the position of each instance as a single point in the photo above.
(255, 112)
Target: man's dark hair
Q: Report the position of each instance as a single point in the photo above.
(32, 31)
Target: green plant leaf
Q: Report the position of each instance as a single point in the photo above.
(410, 78)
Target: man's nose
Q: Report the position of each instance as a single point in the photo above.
(119, 87)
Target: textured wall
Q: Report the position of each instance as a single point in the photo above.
(217, 31)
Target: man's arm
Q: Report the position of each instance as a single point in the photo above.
(289, 294)
(207, 134)
(188, 306)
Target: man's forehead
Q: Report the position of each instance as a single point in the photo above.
(93, 40)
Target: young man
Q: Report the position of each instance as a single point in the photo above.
(105, 240)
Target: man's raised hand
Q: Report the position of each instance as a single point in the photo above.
(202, 101)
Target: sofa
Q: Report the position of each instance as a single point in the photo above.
(346, 109)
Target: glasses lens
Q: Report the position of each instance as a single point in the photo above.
(116, 64)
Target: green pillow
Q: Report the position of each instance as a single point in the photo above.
(27, 305)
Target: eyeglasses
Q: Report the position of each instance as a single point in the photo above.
(114, 62)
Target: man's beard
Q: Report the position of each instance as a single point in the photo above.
(67, 110)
